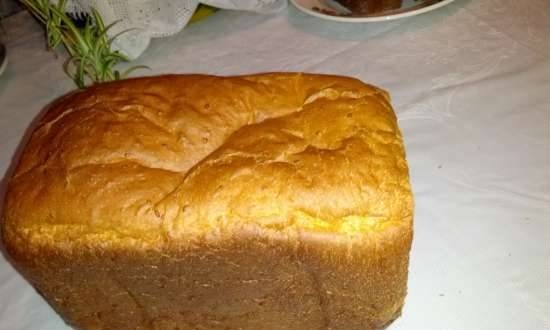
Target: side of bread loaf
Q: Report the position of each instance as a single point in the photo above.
(273, 201)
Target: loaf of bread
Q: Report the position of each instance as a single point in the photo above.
(368, 7)
(267, 202)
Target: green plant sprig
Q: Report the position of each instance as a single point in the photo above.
(91, 58)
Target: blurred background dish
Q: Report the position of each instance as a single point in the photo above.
(386, 10)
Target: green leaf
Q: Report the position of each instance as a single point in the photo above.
(132, 69)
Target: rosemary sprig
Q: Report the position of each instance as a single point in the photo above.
(91, 59)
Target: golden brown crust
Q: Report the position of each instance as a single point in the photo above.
(303, 171)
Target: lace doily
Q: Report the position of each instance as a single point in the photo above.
(146, 19)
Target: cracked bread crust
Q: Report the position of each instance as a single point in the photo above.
(272, 201)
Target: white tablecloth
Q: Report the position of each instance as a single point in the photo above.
(471, 87)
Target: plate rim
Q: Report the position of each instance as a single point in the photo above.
(344, 19)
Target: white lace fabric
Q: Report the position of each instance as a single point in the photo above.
(145, 19)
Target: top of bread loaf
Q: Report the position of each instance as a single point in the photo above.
(180, 158)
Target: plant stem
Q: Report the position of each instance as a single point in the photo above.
(91, 59)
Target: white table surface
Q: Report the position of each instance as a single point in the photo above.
(471, 87)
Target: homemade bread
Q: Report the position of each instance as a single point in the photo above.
(263, 202)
